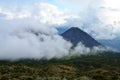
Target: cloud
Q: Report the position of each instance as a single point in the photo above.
(110, 16)
(81, 49)
(101, 31)
(31, 43)
(8, 15)
(43, 12)
(36, 43)
(29, 31)
(50, 14)
(112, 3)
(96, 16)
(94, 19)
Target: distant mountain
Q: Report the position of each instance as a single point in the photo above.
(76, 35)
(115, 43)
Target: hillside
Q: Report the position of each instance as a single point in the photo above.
(86, 67)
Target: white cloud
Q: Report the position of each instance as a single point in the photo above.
(109, 14)
(101, 31)
(50, 14)
(100, 18)
(43, 12)
(28, 42)
(94, 17)
(80, 49)
(112, 3)
(8, 15)
(20, 26)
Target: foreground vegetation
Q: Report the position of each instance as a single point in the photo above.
(85, 67)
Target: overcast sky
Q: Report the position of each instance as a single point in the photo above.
(28, 27)
(100, 18)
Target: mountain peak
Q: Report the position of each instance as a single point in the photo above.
(76, 35)
(75, 28)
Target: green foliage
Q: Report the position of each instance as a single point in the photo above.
(102, 66)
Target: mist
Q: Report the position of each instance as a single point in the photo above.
(30, 31)
(31, 43)
(37, 43)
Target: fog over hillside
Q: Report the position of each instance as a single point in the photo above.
(28, 27)
(37, 43)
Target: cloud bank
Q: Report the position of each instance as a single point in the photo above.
(100, 18)
(30, 31)
(94, 17)
(31, 43)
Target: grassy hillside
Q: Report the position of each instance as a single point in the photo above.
(103, 66)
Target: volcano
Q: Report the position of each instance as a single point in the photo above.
(76, 35)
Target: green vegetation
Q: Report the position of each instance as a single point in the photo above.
(85, 67)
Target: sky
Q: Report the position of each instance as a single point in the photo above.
(99, 18)
(28, 28)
